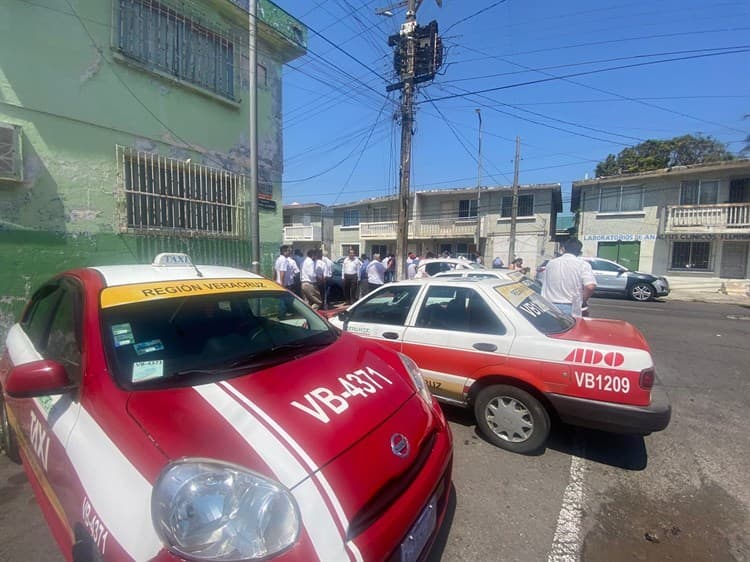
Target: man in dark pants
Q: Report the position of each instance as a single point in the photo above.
(350, 271)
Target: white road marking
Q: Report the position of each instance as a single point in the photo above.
(568, 539)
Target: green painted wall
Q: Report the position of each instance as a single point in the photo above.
(76, 98)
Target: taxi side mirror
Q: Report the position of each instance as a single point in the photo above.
(38, 378)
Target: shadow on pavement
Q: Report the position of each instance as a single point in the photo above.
(621, 451)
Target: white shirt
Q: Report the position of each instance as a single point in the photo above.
(375, 272)
(291, 271)
(308, 273)
(564, 280)
(411, 269)
(327, 267)
(351, 266)
(282, 264)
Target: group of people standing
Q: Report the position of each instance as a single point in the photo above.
(307, 276)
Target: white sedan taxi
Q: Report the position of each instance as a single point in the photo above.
(500, 348)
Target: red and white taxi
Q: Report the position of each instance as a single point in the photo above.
(180, 412)
(499, 347)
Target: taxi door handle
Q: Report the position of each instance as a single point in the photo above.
(484, 346)
(390, 335)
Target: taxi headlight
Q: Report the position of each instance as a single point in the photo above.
(206, 510)
(416, 377)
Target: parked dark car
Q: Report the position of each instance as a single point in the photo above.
(614, 279)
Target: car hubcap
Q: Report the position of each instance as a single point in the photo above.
(642, 293)
(509, 419)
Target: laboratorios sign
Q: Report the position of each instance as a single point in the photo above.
(622, 237)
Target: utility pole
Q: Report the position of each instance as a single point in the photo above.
(514, 206)
(478, 233)
(407, 120)
(253, 134)
(418, 56)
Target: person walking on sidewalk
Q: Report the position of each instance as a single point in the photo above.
(350, 271)
(569, 281)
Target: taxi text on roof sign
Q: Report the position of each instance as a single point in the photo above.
(173, 259)
(127, 294)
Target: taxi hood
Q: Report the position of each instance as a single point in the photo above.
(314, 407)
(605, 332)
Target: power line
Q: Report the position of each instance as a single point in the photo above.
(594, 88)
(586, 73)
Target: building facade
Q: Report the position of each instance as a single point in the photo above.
(463, 222)
(689, 223)
(308, 226)
(124, 132)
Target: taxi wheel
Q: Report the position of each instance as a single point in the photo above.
(512, 418)
(10, 445)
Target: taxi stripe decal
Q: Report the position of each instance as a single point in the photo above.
(109, 480)
(117, 491)
(311, 466)
(316, 517)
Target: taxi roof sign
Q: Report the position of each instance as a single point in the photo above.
(172, 259)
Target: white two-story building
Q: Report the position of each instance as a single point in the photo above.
(464, 222)
(689, 223)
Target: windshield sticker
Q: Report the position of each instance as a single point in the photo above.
(148, 347)
(127, 294)
(122, 334)
(145, 370)
(515, 294)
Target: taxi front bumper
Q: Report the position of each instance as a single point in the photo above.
(613, 417)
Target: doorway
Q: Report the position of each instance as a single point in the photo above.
(734, 260)
(627, 254)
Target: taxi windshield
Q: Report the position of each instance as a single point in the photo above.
(194, 339)
(544, 315)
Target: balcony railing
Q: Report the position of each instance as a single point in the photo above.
(300, 233)
(723, 218)
(437, 228)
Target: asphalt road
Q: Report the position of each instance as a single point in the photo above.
(682, 494)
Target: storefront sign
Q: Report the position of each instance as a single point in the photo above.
(619, 237)
(739, 236)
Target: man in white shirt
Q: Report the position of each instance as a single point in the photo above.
(292, 273)
(350, 271)
(375, 273)
(309, 279)
(281, 267)
(569, 281)
(325, 271)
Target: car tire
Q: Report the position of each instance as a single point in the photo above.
(642, 292)
(511, 418)
(9, 443)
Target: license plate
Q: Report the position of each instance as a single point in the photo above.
(420, 532)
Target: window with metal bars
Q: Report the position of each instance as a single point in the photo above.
(467, 208)
(525, 206)
(170, 195)
(159, 37)
(691, 255)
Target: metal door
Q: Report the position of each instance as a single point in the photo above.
(734, 260)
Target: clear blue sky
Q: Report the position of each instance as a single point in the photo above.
(544, 62)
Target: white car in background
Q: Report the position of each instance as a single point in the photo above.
(432, 266)
(505, 274)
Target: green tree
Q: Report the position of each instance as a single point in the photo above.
(658, 154)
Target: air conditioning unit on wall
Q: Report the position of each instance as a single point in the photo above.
(11, 157)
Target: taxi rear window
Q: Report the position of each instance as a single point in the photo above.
(193, 339)
(544, 315)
